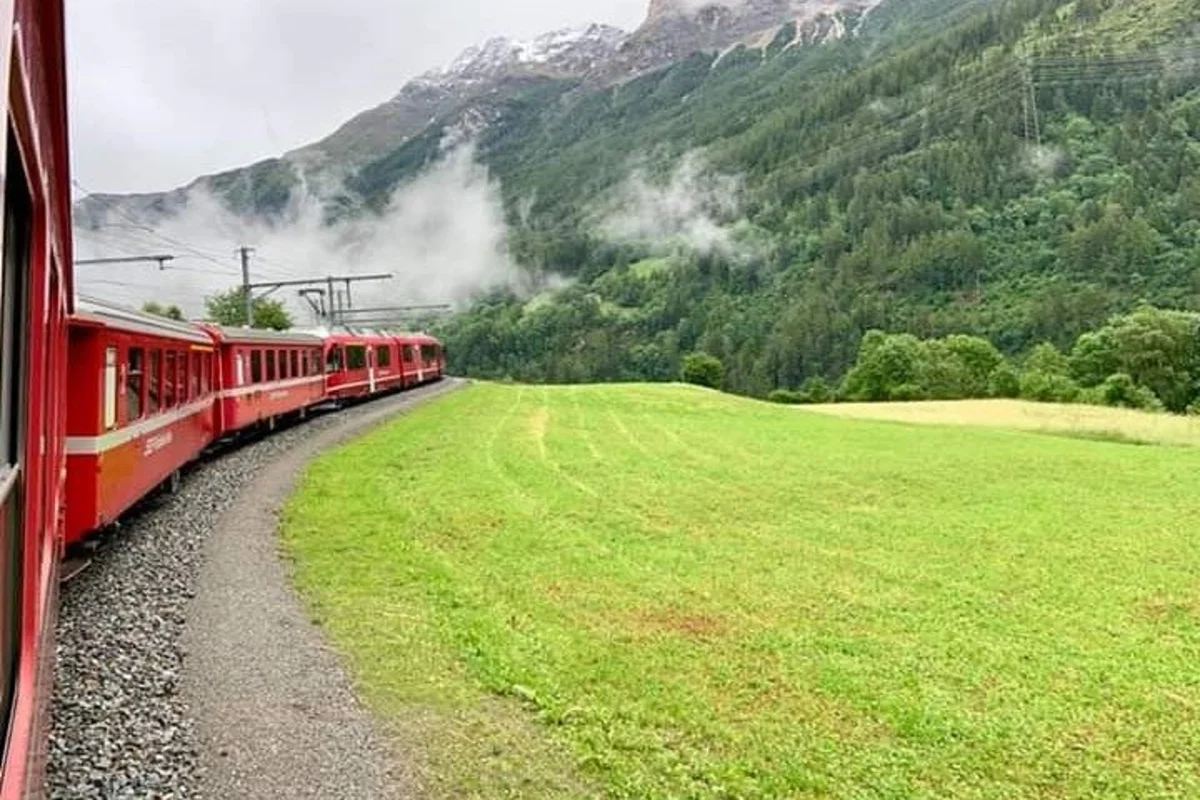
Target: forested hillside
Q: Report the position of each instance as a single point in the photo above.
(1020, 170)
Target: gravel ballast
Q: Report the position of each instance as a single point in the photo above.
(122, 724)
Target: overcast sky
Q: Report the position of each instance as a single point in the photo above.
(163, 91)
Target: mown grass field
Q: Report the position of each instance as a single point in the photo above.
(663, 592)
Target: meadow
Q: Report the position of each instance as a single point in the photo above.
(665, 592)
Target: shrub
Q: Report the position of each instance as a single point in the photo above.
(787, 397)
(703, 370)
(1047, 387)
(1004, 381)
(1122, 391)
(816, 390)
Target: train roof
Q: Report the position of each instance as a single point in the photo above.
(263, 337)
(90, 312)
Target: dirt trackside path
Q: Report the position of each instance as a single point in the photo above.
(275, 714)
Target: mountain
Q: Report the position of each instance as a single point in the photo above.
(487, 76)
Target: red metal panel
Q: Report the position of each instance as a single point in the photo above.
(32, 31)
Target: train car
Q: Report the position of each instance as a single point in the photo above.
(266, 376)
(36, 287)
(423, 359)
(352, 368)
(142, 406)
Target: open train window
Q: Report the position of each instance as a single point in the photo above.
(270, 365)
(154, 383)
(256, 372)
(284, 373)
(14, 287)
(356, 357)
(135, 378)
(295, 364)
(384, 357)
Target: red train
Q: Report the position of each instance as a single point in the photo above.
(152, 394)
(100, 405)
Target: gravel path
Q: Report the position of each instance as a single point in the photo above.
(132, 719)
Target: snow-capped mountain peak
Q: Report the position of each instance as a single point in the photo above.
(569, 51)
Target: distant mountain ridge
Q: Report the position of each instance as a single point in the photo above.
(486, 75)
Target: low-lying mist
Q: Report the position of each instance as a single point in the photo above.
(443, 236)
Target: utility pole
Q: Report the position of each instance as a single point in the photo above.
(246, 295)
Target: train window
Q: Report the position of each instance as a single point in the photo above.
(153, 387)
(426, 353)
(134, 383)
(408, 353)
(256, 373)
(110, 388)
(295, 364)
(333, 362)
(384, 357)
(270, 365)
(195, 363)
(14, 279)
(356, 357)
(205, 366)
(284, 365)
(168, 392)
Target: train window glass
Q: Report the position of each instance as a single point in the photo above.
(384, 356)
(205, 362)
(256, 373)
(110, 388)
(14, 279)
(285, 365)
(356, 357)
(195, 364)
(270, 365)
(134, 383)
(333, 362)
(168, 392)
(181, 385)
(408, 353)
(295, 357)
(153, 387)
(426, 353)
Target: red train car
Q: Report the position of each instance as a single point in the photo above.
(35, 301)
(265, 376)
(353, 368)
(142, 407)
(423, 359)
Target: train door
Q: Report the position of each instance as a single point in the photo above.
(14, 345)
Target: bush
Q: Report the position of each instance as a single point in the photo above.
(1122, 391)
(1045, 387)
(787, 397)
(1004, 381)
(816, 390)
(703, 370)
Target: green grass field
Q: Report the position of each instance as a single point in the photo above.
(663, 592)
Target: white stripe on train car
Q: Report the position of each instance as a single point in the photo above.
(273, 386)
(95, 445)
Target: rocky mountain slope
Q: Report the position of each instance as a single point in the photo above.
(487, 76)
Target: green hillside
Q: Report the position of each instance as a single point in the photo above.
(666, 592)
(1019, 170)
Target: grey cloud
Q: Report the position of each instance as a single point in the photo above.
(162, 92)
